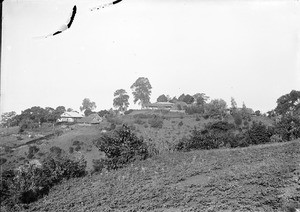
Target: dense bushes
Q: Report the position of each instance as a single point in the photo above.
(214, 135)
(258, 134)
(121, 147)
(288, 128)
(223, 134)
(33, 180)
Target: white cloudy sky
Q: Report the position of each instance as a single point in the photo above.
(248, 50)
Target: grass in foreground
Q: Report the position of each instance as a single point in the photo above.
(258, 178)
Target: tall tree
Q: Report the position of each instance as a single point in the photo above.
(121, 100)
(181, 97)
(7, 119)
(87, 104)
(162, 98)
(141, 90)
(288, 104)
(200, 98)
(188, 99)
(216, 108)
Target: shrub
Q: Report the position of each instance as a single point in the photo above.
(77, 148)
(32, 181)
(56, 151)
(276, 138)
(288, 128)
(76, 143)
(71, 149)
(237, 119)
(214, 135)
(156, 122)
(180, 124)
(2, 161)
(31, 151)
(198, 118)
(58, 132)
(258, 134)
(121, 147)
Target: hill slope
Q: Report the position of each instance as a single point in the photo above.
(258, 178)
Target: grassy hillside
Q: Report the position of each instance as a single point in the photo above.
(257, 178)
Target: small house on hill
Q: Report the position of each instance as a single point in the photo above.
(70, 117)
(160, 106)
(91, 119)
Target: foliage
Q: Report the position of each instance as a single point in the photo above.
(56, 151)
(258, 134)
(2, 161)
(288, 104)
(156, 122)
(216, 108)
(288, 127)
(33, 180)
(121, 147)
(8, 119)
(246, 112)
(257, 113)
(87, 104)
(237, 118)
(121, 100)
(192, 109)
(180, 124)
(213, 136)
(188, 99)
(32, 151)
(162, 98)
(233, 107)
(88, 112)
(102, 113)
(141, 90)
(200, 98)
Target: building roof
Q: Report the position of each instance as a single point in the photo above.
(91, 119)
(72, 114)
(160, 104)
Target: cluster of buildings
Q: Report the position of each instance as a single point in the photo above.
(75, 117)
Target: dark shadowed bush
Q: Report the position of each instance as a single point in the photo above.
(30, 182)
(56, 151)
(31, 151)
(288, 128)
(2, 161)
(214, 135)
(258, 133)
(121, 147)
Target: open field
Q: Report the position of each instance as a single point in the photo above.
(257, 178)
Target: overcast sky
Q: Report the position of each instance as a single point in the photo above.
(248, 50)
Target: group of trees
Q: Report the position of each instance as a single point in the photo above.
(35, 116)
(141, 91)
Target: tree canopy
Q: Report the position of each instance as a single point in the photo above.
(141, 90)
(162, 98)
(88, 104)
(288, 104)
(121, 100)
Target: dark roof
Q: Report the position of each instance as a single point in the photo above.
(160, 104)
(91, 119)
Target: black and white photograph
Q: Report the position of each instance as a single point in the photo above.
(150, 105)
